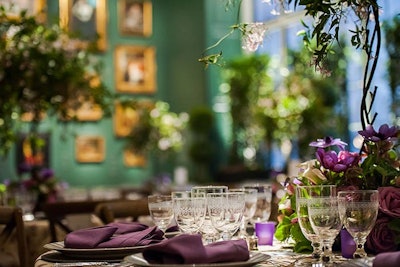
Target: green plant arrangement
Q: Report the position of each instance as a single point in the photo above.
(42, 72)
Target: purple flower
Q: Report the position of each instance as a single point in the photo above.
(328, 142)
(46, 174)
(385, 132)
(389, 201)
(337, 162)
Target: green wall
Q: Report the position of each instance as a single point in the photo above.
(181, 31)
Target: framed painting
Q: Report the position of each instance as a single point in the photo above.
(135, 17)
(134, 160)
(126, 116)
(36, 8)
(135, 69)
(33, 151)
(87, 19)
(89, 149)
(87, 111)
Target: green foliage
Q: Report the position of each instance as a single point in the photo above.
(42, 72)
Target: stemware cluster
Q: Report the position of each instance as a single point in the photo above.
(215, 212)
(323, 211)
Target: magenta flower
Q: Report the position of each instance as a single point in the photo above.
(385, 132)
(328, 142)
(389, 201)
(382, 238)
(337, 162)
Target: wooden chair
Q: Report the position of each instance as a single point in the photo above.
(57, 212)
(111, 211)
(11, 219)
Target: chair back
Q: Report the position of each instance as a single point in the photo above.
(57, 212)
(11, 219)
(111, 211)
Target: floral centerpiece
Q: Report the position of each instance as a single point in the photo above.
(377, 166)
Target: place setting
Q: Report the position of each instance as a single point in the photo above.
(175, 239)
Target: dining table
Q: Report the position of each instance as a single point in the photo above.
(277, 255)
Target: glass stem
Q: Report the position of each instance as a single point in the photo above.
(327, 251)
(360, 252)
(316, 254)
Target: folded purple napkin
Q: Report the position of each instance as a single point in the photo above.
(189, 249)
(113, 235)
(387, 259)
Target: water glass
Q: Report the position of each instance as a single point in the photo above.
(226, 212)
(161, 210)
(264, 198)
(324, 217)
(358, 211)
(302, 197)
(209, 233)
(189, 211)
(250, 207)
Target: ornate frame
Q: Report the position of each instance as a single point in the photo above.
(89, 149)
(143, 27)
(135, 69)
(100, 22)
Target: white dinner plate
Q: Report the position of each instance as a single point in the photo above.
(94, 253)
(255, 258)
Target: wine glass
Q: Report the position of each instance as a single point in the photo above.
(250, 207)
(324, 216)
(189, 210)
(226, 212)
(302, 196)
(209, 233)
(161, 210)
(263, 207)
(358, 210)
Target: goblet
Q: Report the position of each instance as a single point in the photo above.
(358, 210)
(209, 233)
(324, 216)
(161, 210)
(263, 207)
(226, 212)
(250, 207)
(189, 211)
(302, 196)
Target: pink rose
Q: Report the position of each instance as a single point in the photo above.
(381, 239)
(389, 201)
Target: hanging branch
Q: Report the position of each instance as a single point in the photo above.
(369, 71)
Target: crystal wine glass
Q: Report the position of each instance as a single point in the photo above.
(302, 196)
(226, 212)
(250, 207)
(324, 217)
(209, 233)
(161, 210)
(264, 198)
(358, 211)
(189, 211)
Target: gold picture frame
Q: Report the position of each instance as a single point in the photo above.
(33, 8)
(135, 69)
(135, 17)
(85, 19)
(125, 119)
(134, 160)
(89, 149)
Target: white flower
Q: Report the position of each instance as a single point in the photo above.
(253, 35)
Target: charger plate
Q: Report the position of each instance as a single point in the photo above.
(255, 258)
(94, 253)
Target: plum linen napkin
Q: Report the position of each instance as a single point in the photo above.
(387, 259)
(189, 249)
(113, 235)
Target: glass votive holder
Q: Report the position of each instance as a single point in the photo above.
(265, 232)
(347, 244)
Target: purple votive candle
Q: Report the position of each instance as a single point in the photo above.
(348, 246)
(265, 232)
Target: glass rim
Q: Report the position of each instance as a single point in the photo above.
(359, 191)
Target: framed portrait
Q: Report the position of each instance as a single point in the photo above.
(28, 155)
(134, 160)
(135, 69)
(14, 7)
(127, 116)
(87, 19)
(135, 17)
(89, 149)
